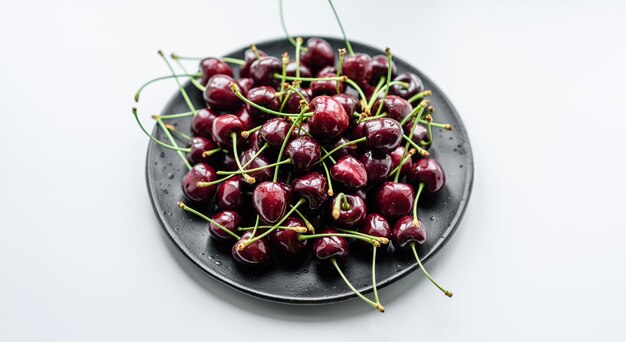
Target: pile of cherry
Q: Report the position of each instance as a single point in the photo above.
(335, 153)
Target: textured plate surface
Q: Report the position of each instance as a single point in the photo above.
(306, 283)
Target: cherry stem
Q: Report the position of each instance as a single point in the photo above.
(235, 89)
(348, 46)
(419, 262)
(138, 92)
(447, 127)
(420, 95)
(404, 159)
(255, 51)
(328, 178)
(341, 203)
(419, 149)
(182, 90)
(311, 79)
(192, 79)
(191, 210)
(285, 60)
(375, 93)
(177, 132)
(173, 142)
(289, 132)
(307, 223)
(358, 89)
(159, 142)
(246, 171)
(229, 60)
(342, 54)
(246, 134)
(376, 299)
(368, 118)
(429, 120)
(418, 109)
(258, 153)
(243, 244)
(300, 230)
(389, 61)
(173, 116)
(382, 240)
(248, 179)
(374, 242)
(256, 226)
(285, 99)
(209, 153)
(282, 23)
(417, 197)
(376, 306)
(298, 48)
(387, 86)
(352, 142)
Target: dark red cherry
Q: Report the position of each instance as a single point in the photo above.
(245, 117)
(349, 103)
(255, 141)
(329, 121)
(260, 161)
(270, 201)
(198, 146)
(358, 68)
(228, 219)
(396, 158)
(305, 71)
(213, 66)
(396, 107)
(405, 231)
(347, 150)
(313, 187)
(263, 69)
(274, 131)
(327, 71)
(420, 133)
(245, 84)
(358, 131)
(377, 165)
(285, 241)
(223, 126)
(326, 87)
(429, 172)
(329, 247)
(226, 162)
(374, 225)
(293, 102)
(218, 94)
(229, 194)
(264, 96)
(304, 153)
(350, 172)
(394, 199)
(200, 172)
(318, 55)
(415, 85)
(383, 134)
(354, 214)
(379, 68)
(202, 122)
(256, 254)
(249, 57)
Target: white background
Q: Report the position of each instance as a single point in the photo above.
(539, 255)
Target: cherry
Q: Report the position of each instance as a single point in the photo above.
(350, 172)
(329, 120)
(218, 94)
(348, 210)
(223, 128)
(261, 161)
(429, 172)
(326, 87)
(200, 172)
(358, 67)
(375, 225)
(201, 150)
(245, 84)
(346, 150)
(318, 55)
(293, 102)
(420, 133)
(305, 71)
(286, 242)
(245, 117)
(383, 134)
(257, 253)
(303, 131)
(263, 69)
(213, 66)
(377, 165)
(304, 153)
(396, 107)
(415, 85)
(326, 248)
(229, 194)
(357, 131)
(228, 219)
(406, 231)
(313, 187)
(349, 103)
(250, 56)
(263, 96)
(202, 122)
(255, 141)
(396, 158)
(270, 201)
(226, 163)
(379, 68)
(274, 131)
(327, 71)
(394, 199)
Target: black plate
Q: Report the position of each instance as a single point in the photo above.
(306, 283)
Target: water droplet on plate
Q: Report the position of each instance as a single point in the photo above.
(162, 154)
(306, 271)
(218, 263)
(432, 218)
(170, 175)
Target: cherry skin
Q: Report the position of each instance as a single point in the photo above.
(222, 128)
(396, 107)
(350, 172)
(377, 165)
(202, 122)
(229, 194)
(313, 187)
(328, 247)
(305, 71)
(230, 220)
(329, 121)
(246, 119)
(274, 131)
(396, 159)
(263, 96)
(249, 57)
(394, 199)
(349, 103)
(226, 162)
(347, 150)
(318, 55)
(358, 68)
(415, 85)
(357, 131)
(354, 215)
(304, 153)
(260, 161)
(379, 68)
(213, 66)
(383, 134)
(218, 94)
(256, 254)
(245, 84)
(405, 231)
(293, 102)
(420, 133)
(263, 69)
(270, 201)
(200, 172)
(374, 225)
(327, 71)
(198, 146)
(429, 172)
(285, 241)
(255, 141)
(326, 87)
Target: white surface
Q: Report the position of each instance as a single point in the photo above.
(539, 255)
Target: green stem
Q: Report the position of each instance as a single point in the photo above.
(289, 132)
(389, 61)
(375, 93)
(376, 299)
(233, 60)
(417, 197)
(266, 227)
(244, 171)
(358, 89)
(298, 47)
(177, 132)
(235, 89)
(353, 142)
(342, 53)
(420, 110)
(213, 222)
(376, 306)
(282, 23)
(171, 147)
(344, 235)
(258, 153)
(182, 90)
(256, 226)
(267, 232)
(420, 95)
(193, 80)
(354, 232)
(173, 116)
(173, 142)
(307, 223)
(419, 149)
(419, 262)
(159, 79)
(329, 180)
(348, 46)
(225, 59)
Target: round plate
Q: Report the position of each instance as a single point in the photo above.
(306, 283)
